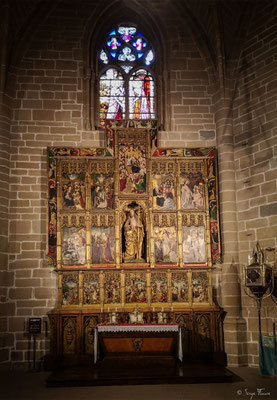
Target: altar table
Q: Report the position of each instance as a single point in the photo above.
(139, 328)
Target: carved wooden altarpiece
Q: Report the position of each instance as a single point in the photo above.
(132, 226)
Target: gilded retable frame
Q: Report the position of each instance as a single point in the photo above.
(133, 223)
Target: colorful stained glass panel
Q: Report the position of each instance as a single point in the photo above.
(113, 43)
(127, 68)
(112, 95)
(139, 44)
(126, 32)
(141, 95)
(126, 55)
(149, 57)
(104, 57)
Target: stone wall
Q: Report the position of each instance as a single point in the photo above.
(255, 129)
(7, 308)
(48, 110)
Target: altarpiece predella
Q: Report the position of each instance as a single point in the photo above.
(133, 226)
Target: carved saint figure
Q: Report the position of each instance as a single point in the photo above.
(134, 234)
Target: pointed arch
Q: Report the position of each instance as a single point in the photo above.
(96, 32)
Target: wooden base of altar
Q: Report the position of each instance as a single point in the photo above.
(73, 334)
(153, 360)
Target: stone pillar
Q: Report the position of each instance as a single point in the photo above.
(230, 288)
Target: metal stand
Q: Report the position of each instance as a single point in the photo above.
(34, 353)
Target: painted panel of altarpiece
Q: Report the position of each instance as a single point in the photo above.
(73, 185)
(70, 289)
(179, 287)
(135, 287)
(91, 293)
(194, 244)
(165, 238)
(116, 288)
(102, 184)
(161, 202)
(132, 163)
(102, 244)
(132, 169)
(73, 246)
(159, 288)
(112, 288)
(163, 186)
(192, 190)
(200, 283)
(165, 245)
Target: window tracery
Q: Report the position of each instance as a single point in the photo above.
(126, 84)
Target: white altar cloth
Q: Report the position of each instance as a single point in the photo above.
(138, 328)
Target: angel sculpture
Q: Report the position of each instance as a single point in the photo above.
(134, 234)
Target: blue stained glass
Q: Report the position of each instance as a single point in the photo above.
(126, 48)
(127, 68)
(113, 43)
(139, 44)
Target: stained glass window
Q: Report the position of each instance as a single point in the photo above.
(112, 95)
(141, 95)
(127, 87)
(126, 44)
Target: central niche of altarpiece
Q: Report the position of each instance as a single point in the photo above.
(131, 223)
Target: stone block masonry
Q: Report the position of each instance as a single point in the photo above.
(44, 105)
(256, 168)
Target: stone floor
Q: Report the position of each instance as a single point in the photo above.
(248, 385)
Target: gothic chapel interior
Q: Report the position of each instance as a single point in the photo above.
(138, 148)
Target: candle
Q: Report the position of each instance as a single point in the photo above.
(115, 309)
(153, 309)
(171, 308)
(101, 309)
(162, 309)
(108, 309)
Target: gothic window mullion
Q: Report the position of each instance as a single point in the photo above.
(126, 89)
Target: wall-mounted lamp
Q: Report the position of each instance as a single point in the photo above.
(259, 280)
(258, 277)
